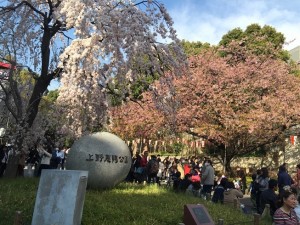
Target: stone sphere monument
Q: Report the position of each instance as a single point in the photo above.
(104, 155)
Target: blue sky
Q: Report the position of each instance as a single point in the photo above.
(209, 20)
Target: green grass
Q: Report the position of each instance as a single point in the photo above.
(126, 204)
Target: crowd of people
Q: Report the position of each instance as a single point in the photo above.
(281, 192)
(193, 175)
(180, 174)
(41, 156)
(197, 176)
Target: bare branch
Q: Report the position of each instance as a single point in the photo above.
(6, 101)
(66, 36)
(135, 101)
(5, 9)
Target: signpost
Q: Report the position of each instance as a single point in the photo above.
(196, 215)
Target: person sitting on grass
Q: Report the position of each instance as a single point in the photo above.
(185, 184)
(196, 178)
(231, 193)
(286, 215)
(218, 195)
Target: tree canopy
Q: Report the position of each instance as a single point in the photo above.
(240, 102)
(137, 119)
(194, 48)
(259, 40)
(88, 45)
(241, 106)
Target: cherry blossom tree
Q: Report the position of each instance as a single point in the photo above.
(88, 45)
(239, 103)
(139, 119)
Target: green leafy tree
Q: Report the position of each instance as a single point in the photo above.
(258, 40)
(177, 147)
(194, 48)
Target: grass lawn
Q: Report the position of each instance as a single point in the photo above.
(126, 204)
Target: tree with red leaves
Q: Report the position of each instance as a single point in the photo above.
(239, 103)
(137, 119)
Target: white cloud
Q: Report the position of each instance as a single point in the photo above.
(208, 21)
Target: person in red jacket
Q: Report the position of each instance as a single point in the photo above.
(187, 168)
(144, 159)
(143, 166)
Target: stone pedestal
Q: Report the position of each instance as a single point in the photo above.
(60, 197)
(28, 171)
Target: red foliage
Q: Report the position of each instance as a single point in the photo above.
(240, 105)
(240, 101)
(137, 119)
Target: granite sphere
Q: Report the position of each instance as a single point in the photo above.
(104, 155)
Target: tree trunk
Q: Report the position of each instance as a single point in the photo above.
(228, 167)
(13, 160)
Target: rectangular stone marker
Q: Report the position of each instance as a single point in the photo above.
(196, 215)
(60, 197)
(28, 171)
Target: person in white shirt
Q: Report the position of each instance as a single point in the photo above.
(61, 154)
(45, 162)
